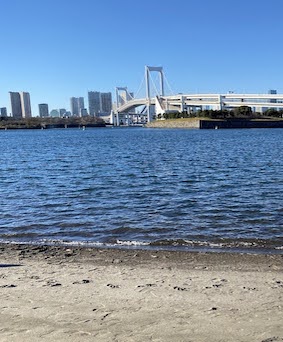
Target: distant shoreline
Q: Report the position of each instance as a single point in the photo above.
(48, 123)
(192, 123)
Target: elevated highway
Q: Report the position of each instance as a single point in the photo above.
(182, 102)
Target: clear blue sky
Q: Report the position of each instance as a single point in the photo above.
(56, 49)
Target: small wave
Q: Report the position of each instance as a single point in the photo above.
(132, 243)
(72, 243)
(166, 244)
(221, 244)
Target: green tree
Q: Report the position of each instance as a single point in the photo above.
(273, 113)
(241, 111)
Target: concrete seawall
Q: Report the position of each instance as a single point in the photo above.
(175, 123)
(215, 124)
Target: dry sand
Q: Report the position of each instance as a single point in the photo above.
(83, 294)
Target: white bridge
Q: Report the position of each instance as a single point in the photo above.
(156, 106)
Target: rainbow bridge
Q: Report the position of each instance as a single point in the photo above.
(156, 106)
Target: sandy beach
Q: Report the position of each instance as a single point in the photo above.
(51, 293)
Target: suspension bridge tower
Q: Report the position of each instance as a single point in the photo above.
(148, 70)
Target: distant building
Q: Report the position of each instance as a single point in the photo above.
(54, 113)
(77, 103)
(3, 111)
(81, 103)
(83, 112)
(99, 102)
(43, 110)
(74, 106)
(25, 103)
(106, 102)
(62, 112)
(264, 109)
(272, 92)
(20, 104)
(16, 106)
(94, 103)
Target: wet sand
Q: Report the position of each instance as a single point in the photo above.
(87, 294)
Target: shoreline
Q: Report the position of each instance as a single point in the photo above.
(59, 293)
(257, 248)
(29, 250)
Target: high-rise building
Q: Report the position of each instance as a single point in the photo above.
(3, 111)
(20, 104)
(99, 102)
(94, 103)
(43, 110)
(77, 103)
(74, 106)
(16, 106)
(106, 102)
(25, 103)
(81, 103)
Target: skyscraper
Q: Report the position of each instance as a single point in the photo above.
(81, 103)
(106, 102)
(94, 103)
(25, 104)
(77, 103)
(16, 106)
(74, 106)
(43, 110)
(99, 102)
(20, 104)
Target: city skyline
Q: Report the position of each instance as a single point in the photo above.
(20, 105)
(203, 46)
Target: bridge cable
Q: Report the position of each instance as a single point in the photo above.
(156, 90)
(140, 87)
(168, 85)
(130, 95)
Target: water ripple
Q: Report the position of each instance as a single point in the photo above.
(151, 187)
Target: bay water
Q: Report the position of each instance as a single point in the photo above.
(141, 187)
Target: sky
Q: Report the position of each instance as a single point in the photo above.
(56, 49)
